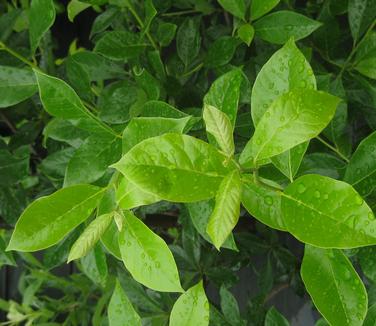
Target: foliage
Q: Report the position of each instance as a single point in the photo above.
(179, 144)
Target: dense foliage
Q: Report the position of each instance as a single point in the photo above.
(188, 142)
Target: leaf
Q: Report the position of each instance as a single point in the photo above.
(166, 33)
(221, 51)
(91, 160)
(219, 126)
(188, 40)
(334, 286)
(361, 170)
(275, 318)
(41, 17)
(365, 61)
(48, 219)
(263, 203)
(224, 93)
(234, 7)
(361, 13)
(227, 208)
(75, 7)
(16, 85)
(322, 163)
(94, 265)
(14, 167)
(371, 316)
(292, 119)
(280, 26)
(120, 309)
(229, 307)
(327, 213)
(90, 236)
(147, 257)
(191, 308)
(246, 33)
(261, 7)
(119, 45)
(175, 167)
(367, 260)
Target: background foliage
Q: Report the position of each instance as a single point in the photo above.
(127, 147)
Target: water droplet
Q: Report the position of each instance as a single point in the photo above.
(317, 194)
(143, 256)
(288, 27)
(301, 188)
(359, 200)
(371, 216)
(303, 84)
(326, 196)
(157, 264)
(269, 200)
(129, 243)
(282, 118)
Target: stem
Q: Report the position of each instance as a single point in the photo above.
(333, 149)
(18, 56)
(256, 176)
(178, 13)
(275, 291)
(198, 67)
(8, 123)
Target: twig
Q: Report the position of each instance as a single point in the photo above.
(333, 149)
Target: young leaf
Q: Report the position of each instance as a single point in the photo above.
(263, 203)
(275, 318)
(261, 7)
(191, 308)
(234, 7)
(334, 286)
(227, 208)
(327, 213)
(188, 40)
(16, 85)
(175, 167)
(48, 219)
(361, 170)
(219, 126)
(361, 14)
(280, 26)
(292, 119)
(120, 309)
(41, 17)
(246, 33)
(147, 256)
(90, 236)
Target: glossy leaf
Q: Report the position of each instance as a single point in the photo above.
(90, 236)
(221, 51)
(280, 26)
(48, 219)
(261, 7)
(175, 167)
(327, 213)
(16, 85)
(147, 257)
(361, 14)
(94, 265)
(235, 7)
(226, 210)
(334, 286)
(188, 40)
(191, 308)
(274, 318)
(246, 33)
(120, 309)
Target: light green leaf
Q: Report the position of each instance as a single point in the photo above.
(292, 119)
(48, 219)
(92, 158)
(261, 7)
(227, 208)
(234, 7)
(16, 85)
(191, 308)
(219, 126)
(90, 236)
(224, 93)
(94, 265)
(280, 26)
(361, 170)
(246, 33)
(41, 17)
(334, 286)
(175, 167)
(361, 13)
(275, 318)
(263, 203)
(147, 256)
(327, 213)
(120, 309)
(75, 7)
(188, 40)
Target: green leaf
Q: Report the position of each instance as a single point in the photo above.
(219, 126)
(261, 7)
(365, 61)
(16, 85)
(120, 309)
(13, 167)
(147, 256)
(119, 45)
(224, 93)
(227, 208)
(275, 318)
(175, 167)
(191, 308)
(90, 236)
(166, 33)
(75, 7)
(91, 160)
(327, 213)
(48, 219)
(334, 286)
(280, 26)
(371, 316)
(41, 17)
(263, 203)
(94, 265)
(188, 40)
(361, 170)
(234, 7)
(229, 307)
(367, 260)
(292, 119)
(221, 51)
(246, 33)
(361, 13)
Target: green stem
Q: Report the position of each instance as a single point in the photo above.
(333, 149)
(18, 56)
(198, 67)
(179, 13)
